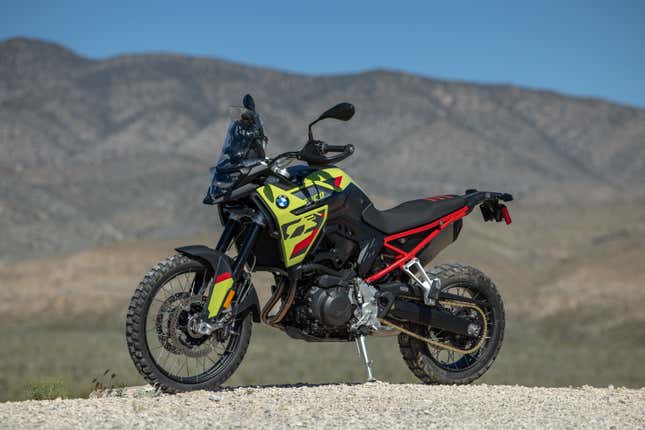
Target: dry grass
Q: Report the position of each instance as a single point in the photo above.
(572, 284)
(534, 354)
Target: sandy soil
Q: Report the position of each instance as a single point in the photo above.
(374, 405)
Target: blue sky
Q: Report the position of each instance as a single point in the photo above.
(586, 48)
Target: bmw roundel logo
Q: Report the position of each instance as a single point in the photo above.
(282, 201)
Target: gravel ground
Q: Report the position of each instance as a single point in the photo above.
(374, 405)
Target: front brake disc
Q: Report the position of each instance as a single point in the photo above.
(179, 339)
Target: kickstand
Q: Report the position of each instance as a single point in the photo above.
(362, 351)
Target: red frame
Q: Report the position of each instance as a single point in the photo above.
(403, 256)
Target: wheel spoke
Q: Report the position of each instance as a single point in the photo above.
(174, 350)
(452, 360)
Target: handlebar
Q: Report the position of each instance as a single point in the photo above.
(313, 153)
(232, 168)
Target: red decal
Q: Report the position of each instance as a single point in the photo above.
(337, 181)
(438, 198)
(223, 277)
(304, 243)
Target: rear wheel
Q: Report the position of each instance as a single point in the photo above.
(167, 353)
(436, 365)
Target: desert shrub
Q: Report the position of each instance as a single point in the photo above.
(47, 390)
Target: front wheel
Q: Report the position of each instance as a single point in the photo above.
(435, 365)
(164, 350)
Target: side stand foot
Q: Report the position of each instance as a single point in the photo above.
(362, 351)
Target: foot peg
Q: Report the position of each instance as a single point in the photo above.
(430, 286)
(362, 351)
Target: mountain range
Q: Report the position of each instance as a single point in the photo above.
(96, 151)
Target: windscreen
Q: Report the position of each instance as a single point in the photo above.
(240, 141)
(244, 140)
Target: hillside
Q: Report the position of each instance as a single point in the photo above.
(99, 151)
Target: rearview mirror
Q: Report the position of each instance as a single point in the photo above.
(248, 102)
(341, 112)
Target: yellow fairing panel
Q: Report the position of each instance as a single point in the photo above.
(299, 232)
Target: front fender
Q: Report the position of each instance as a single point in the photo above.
(221, 265)
(208, 256)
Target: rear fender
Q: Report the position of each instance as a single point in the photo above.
(220, 265)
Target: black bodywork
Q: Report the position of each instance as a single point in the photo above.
(351, 245)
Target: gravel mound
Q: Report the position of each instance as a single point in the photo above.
(372, 405)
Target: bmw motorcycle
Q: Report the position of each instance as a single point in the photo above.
(343, 270)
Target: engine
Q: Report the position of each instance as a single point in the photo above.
(325, 312)
(330, 306)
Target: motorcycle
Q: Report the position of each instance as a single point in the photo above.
(343, 270)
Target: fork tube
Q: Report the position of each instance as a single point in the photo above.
(245, 249)
(227, 235)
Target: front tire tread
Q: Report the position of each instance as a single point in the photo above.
(135, 336)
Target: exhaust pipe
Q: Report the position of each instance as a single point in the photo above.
(425, 315)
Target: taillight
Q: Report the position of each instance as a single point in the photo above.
(507, 216)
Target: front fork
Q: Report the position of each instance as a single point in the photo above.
(232, 224)
(227, 235)
(247, 245)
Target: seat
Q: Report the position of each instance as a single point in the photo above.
(411, 214)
